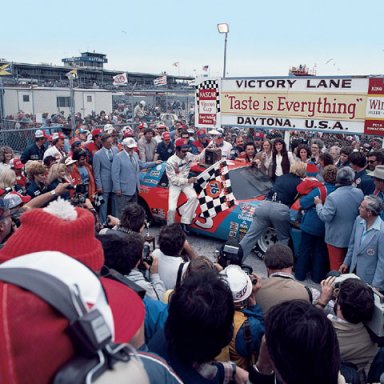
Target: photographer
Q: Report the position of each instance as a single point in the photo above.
(132, 220)
(248, 319)
(354, 305)
(139, 271)
(172, 242)
(280, 285)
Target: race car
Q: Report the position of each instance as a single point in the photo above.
(249, 186)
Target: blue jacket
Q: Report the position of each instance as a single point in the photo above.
(311, 223)
(32, 152)
(256, 325)
(364, 182)
(366, 257)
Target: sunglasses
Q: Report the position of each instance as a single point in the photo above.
(184, 150)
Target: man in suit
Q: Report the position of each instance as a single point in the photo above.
(339, 212)
(102, 169)
(126, 168)
(365, 255)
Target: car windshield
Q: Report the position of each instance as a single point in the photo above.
(249, 182)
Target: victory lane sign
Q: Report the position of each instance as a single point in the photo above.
(342, 104)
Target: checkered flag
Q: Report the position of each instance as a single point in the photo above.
(98, 200)
(216, 194)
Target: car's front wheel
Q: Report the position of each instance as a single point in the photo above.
(267, 239)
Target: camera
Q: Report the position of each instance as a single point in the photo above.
(376, 324)
(232, 253)
(147, 254)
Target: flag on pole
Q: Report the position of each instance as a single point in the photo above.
(120, 79)
(205, 68)
(6, 70)
(72, 74)
(216, 194)
(176, 64)
(162, 80)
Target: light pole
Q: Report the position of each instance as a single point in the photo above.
(224, 28)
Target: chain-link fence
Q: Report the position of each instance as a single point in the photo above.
(19, 139)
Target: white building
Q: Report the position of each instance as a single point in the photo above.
(38, 100)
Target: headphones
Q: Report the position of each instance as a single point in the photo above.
(88, 330)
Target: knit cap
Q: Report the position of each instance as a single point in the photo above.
(60, 227)
(312, 170)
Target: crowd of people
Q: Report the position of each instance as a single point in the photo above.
(74, 195)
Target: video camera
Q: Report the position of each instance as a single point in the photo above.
(232, 253)
(376, 324)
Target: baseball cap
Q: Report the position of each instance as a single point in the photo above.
(96, 132)
(4, 205)
(181, 143)
(161, 126)
(259, 135)
(16, 164)
(57, 135)
(239, 283)
(108, 128)
(39, 134)
(15, 199)
(129, 142)
(166, 136)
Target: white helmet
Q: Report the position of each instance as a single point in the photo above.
(239, 283)
(142, 102)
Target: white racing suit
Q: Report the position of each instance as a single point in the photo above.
(177, 171)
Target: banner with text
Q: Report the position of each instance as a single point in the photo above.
(329, 104)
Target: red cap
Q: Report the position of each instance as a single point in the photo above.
(259, 135)
(129, 133)
(16, 164)
(166, 136)
(96, 132)
(181, 142)
(201, 132)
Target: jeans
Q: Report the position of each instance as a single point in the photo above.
(313, 257)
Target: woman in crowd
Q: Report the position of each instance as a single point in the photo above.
(81, 173)
(281, 159)
(264, 158)
(6, 155)
(316, 148)
(58, 174)
(324, 160)
(36, 173)
(303, 153)
(7, 177)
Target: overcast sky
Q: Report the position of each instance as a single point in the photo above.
(266, 36)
